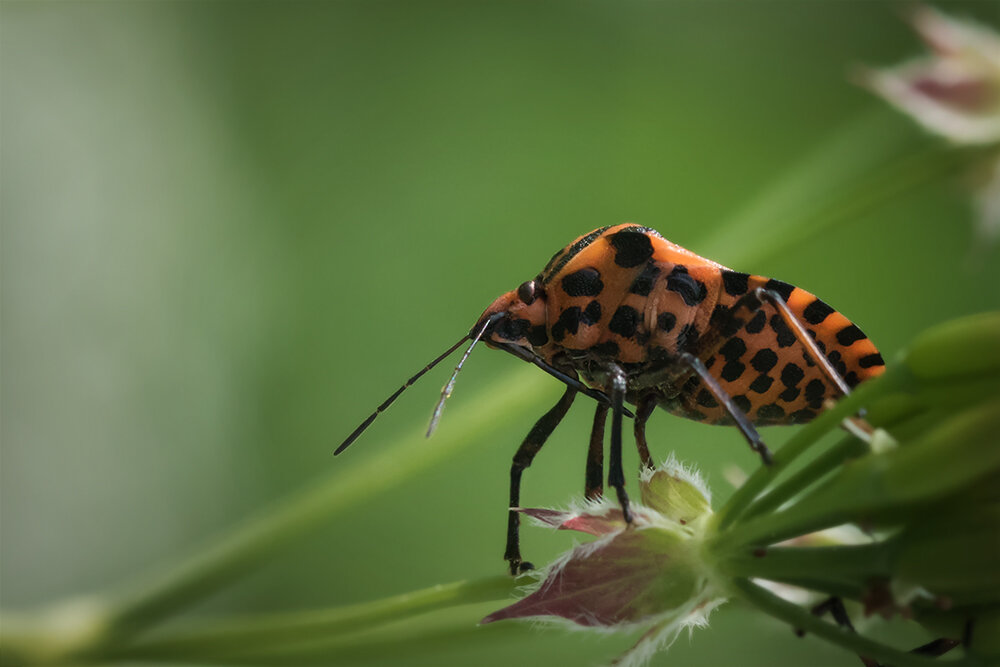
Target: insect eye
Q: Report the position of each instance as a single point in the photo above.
(526, 292)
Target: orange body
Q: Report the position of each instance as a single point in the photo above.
(625, 295)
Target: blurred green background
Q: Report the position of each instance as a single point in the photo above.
(230, 229)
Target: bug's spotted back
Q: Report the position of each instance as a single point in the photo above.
(624, 294)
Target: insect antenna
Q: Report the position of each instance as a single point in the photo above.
(387, 402)
(446, 391)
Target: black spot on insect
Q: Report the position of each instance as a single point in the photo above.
(513, 329)
(802, 416)
(695, 415)
(537, 336)
(585, 282)
(770, 412)
(782, 288)
(791, 375)
(852, 379)
(642, 337)
(692, 291)
(632, 248)
(592, 314)
(743, 403)
(725, 322)
(735, 283)
(815, 391)
(756, 324)
(706, 400)
(643, 283)
(659, 355)
(733, 349)
(790, 394)
(870, 360)
(606, 349)
(761, 383)
(666, 321)
(624, 321)
(785, 335)
(710, 362)
(568, 322)
(837, 362)
(732, 371)
(764, 360)
(687, 336)
(849, 335)
(816, 312)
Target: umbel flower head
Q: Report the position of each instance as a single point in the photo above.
(900, 519)
(954, 92)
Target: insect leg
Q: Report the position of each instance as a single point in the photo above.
(536, 437)
(742, 421)
(835, 606)
(594, 487)
(803, 337)
(643, 409)
(569, 381)
(616, 477)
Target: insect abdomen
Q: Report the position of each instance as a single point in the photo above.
(766, 369)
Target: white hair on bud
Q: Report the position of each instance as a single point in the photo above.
(673, 467)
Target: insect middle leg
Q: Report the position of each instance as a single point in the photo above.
(536, 437)
(738, 416)
(594, 481)
(643, 409)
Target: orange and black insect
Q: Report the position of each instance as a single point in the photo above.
(623, 315)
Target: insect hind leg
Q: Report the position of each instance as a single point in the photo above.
(738, 416)
(835, 607)
(531, 445)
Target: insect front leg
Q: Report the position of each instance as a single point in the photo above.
(742, 421)
(616, 477)
(539, 433)
(594, 481)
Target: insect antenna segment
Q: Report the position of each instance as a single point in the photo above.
(389, 401)
(447, 389)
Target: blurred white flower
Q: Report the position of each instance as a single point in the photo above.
(953, 92)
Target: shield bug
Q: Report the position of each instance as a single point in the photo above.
(623, 315)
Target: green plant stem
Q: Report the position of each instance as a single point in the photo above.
(237, 552)
(841, 563)
(241, 637)
(426, 634)
(802, 619)
(847, 448)
(895, 377)
(956, 454)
